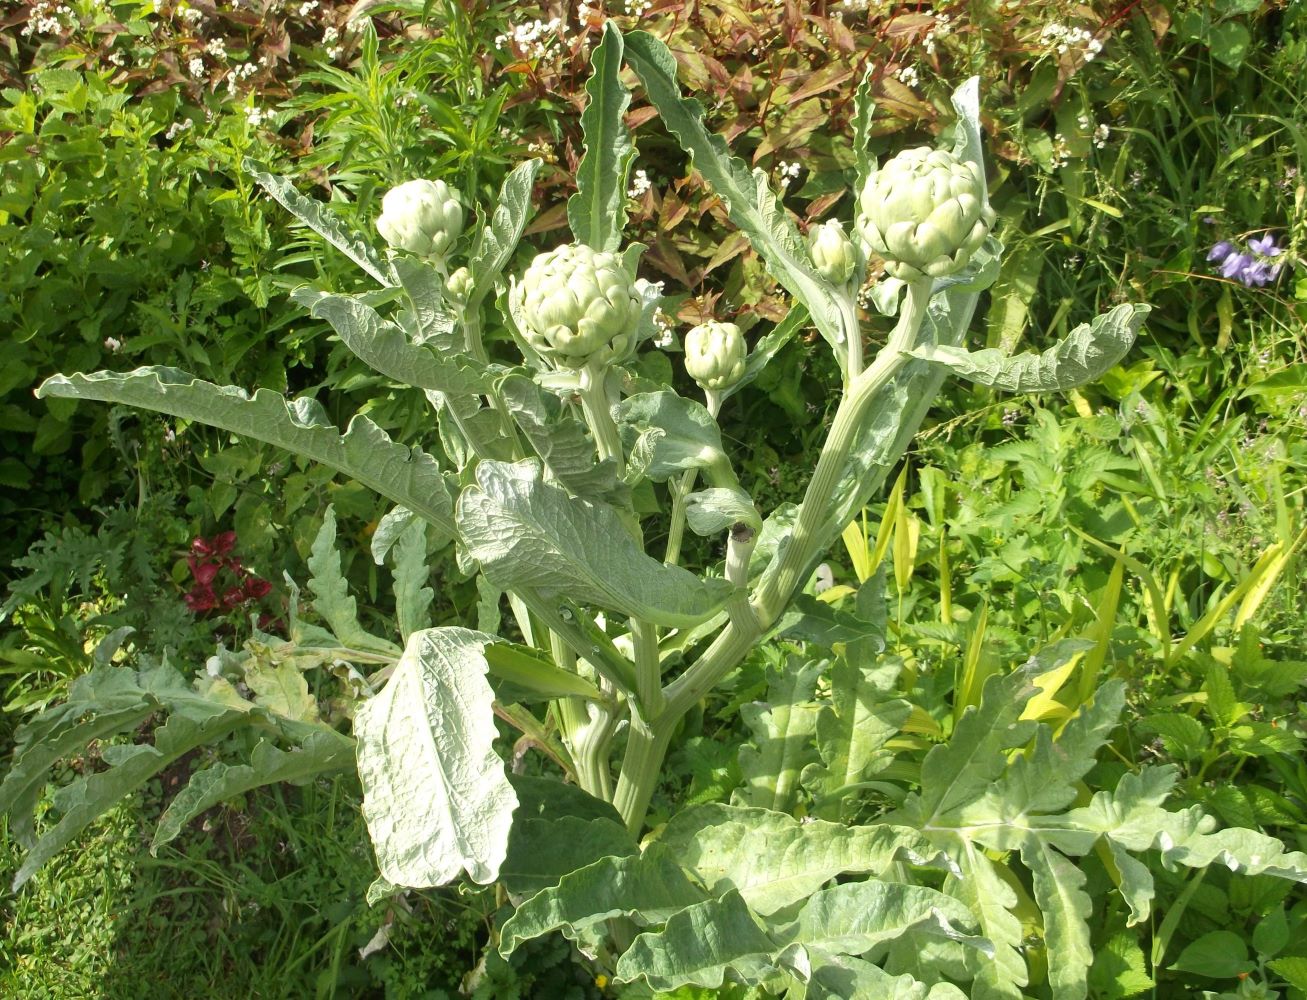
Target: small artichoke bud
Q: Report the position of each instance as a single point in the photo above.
(578, 306)
(459, 285)
(715, 355)
(832, 252)
(925, 212)
(422, 217)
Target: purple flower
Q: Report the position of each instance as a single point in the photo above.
(1220, 251)
(1259, 274)
(1234, 265)
(1265, 246)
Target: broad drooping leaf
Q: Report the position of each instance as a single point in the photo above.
(435, 796)
(1083, 355)
(383, 346)
(670, 434)
(429, 319)
(712, 511)
(557, 829)
(774, 860)
(493, 246)
(783, 727)
(325, 223)
(408, 476)
(701, 943)
(752, 205)
(526, 533)
(321, 752)
(558, 439)
(597, 212)
(646, 888)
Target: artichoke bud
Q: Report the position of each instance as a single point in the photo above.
(578, 306)
(422, 217)
(459, 285)
(925, 212)
(715, 355)
(832, 252)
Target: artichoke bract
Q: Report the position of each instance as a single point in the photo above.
(925, 212)
(715, 355)
(832, 252)
(578, 305)
(422, 217)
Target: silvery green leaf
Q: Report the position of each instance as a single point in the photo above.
(853, 730)
(325, 223)
(712, 511)
(1082, 356)
(992, 900)
(494, 244)
(433, 324)
(321, 753)
(854, 917)
(887, 295)
(541, 852)
(526, 533)
(960, 771)
(968, 144)
(774, 860)
(387, 532)
(435, 796)
(783, 728)
(597, 212)
(698, 946)
(280, 687)
(383, 346)
(408, 476)
(558, 438)
(412, 595)
(1059, 888)
(864, 110)
(687, 436)
(752, 205)
(768, 346)
(533, 676)
(646, 888)
(331, 597)
(130, 767)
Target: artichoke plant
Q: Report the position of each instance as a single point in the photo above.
(578, 305)
(715, 355)
(925, 212)
(832, 252)
(422, 217)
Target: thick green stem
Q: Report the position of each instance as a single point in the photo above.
(814, 513)
(852, 333)
(648, 670)
(594, 401)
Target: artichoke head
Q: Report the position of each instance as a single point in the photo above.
(459, 285)
(925, 212)
(715, 355)
(832, 252)
(578, 306)
(422, 217)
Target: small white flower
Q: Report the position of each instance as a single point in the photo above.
(217, 48)
(308, 7)
(1101, 134)
(639, 184)
(636, 8)
(789, 172)
(909, 76)
(113, 344)
(195, 66)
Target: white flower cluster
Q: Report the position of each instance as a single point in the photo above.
(177, 128)
(638, 7)
(190, 15)
(217, 48)
(1098, 134)
(664, 338)
(1061, 152)
(789, 173)
(853, 6)
(908, 75)
(942, 27)
(46, 19)
(308, 7)
(531, 39)
(238, 73)
(1064, 39)
(639, 184)
(331, 42)
(585, 11)
(257, 116)
(195, 66)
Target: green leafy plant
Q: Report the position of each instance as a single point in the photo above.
(561, 443)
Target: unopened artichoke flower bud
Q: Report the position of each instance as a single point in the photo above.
(422, 217)
(715, 355)
(459, 285)
(925, 212)
(578, 306)
(832, 252)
